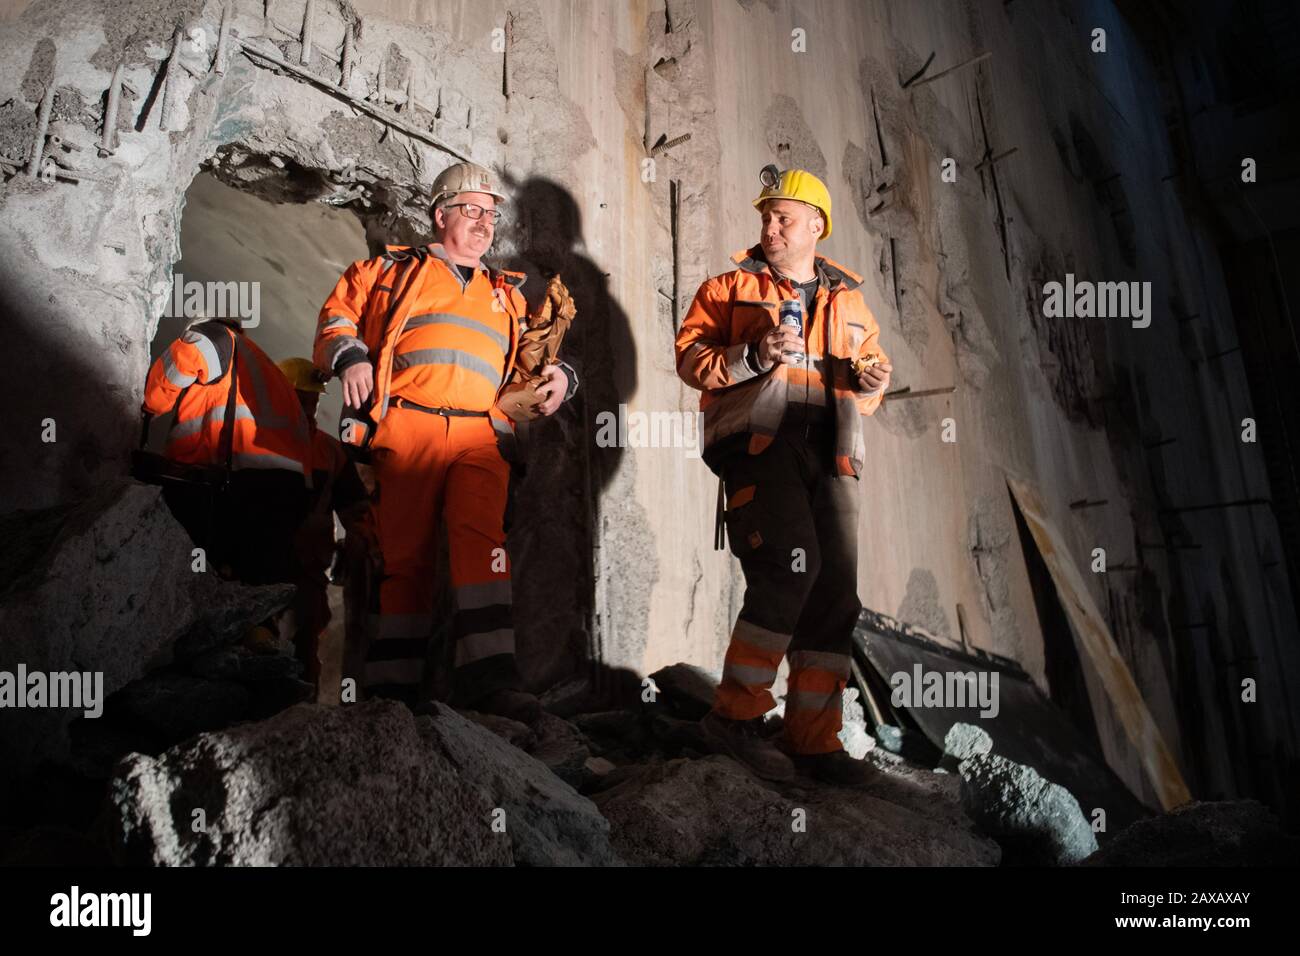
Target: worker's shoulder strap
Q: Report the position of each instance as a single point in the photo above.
(220, 337)
(227, 449)
(400, 267)
(392, 264)
(212, 337)
(395, 256)
(515, 280)
(719, 520)
(383, 271)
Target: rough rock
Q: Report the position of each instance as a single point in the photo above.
(231, 609)
(513, 732)
(1035, 821)
(239, 663)
(342, 786)
(177, 706)
(675, 737)
(599, 766)
(561, 746)
(107, 586)
(966, 740)
(853, 735)
(568, 697)
(620, 735)
(548, 822)
(713, 812)
(1227, 833)
(553, 740)
(686, 690)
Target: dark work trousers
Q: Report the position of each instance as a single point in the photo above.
(792, 522)
(248, 528)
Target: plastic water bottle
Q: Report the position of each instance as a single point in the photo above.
(791, 314)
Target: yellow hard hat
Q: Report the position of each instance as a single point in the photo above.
(797, 184)
(303, 374)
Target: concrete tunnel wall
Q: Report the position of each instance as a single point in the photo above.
(590, 87)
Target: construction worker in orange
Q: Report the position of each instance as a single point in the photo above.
(337, 489)
(235, 413)
(424, 340)
(786, 356)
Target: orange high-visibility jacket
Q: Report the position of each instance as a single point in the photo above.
(733, 310)
(270, 429)
(447, 343)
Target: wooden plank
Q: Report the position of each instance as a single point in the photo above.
(868, 699)
(1097, 646)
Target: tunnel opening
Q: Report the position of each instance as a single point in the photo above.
(276, 237)
(291, 253)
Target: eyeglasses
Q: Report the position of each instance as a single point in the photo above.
(474, 211)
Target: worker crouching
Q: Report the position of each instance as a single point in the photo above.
(239, 419)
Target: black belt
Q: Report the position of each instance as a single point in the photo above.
(446, 412)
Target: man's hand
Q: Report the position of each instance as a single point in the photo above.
(358, 382)
(551, 389)
(773, 346)
(875, 378)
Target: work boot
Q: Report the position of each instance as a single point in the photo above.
(507, 702)
(743, 740)
(836, 767)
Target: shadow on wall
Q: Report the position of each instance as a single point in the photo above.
(566, 472)
(66, 390)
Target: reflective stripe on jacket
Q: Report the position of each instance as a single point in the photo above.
(270, 429)
(739, 307)
(449, 343)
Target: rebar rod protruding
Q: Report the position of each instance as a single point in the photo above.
(952, 69)
(109, 134)
(221, 60)
(171, 96)
(349, 56)
(308, 28)
(42, 127)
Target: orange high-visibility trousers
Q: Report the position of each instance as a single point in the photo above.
(432, 471)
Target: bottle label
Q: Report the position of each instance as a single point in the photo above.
(791, 314)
